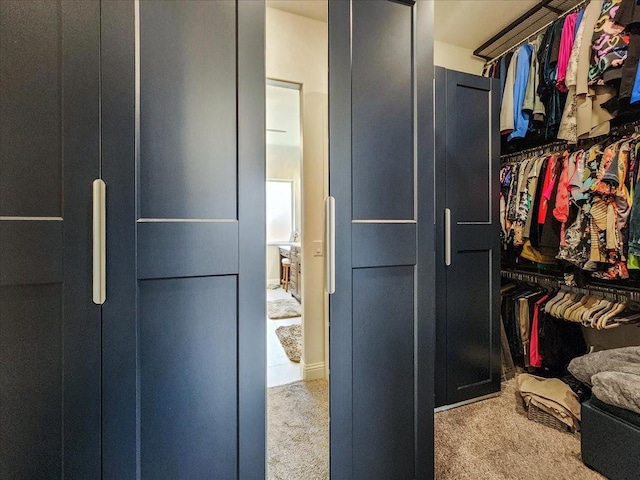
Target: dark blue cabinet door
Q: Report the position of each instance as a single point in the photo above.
(184, 321)
(381, 176)
(467, 146)
(49, 155)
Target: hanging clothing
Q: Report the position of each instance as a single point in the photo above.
(566, 46)
(568, 125)
(628, 12)
(591, 119)
(507, 121)
(532, 102)
(578, 21)
(609, 46)
(535, 359)
(521, 116)
(576, 207)
(551, 97)
(628, 15)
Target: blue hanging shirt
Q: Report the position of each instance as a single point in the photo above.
(520, 117)
(578, 20)
(635, 94)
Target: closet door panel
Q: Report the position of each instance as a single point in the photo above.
(380, 154)
(383, 381)
(469, 164)
(187, 248)
(188, 110)
(469, 323)
(371, 244)
(32, 369)
(31, 252)
(468, 355)
(31, 105)
(49, 155)
(184, 324)
(187, 375)
(382, 94)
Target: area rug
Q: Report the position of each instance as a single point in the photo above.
(493, 439)
(290, 337)
(283, 308)
(298, 431)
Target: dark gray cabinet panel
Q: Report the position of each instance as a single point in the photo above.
(31, 251)
(467, 146)
(381, 331)
(384, 244)
(31, 346)
(49, 155)
(31, 105)
(383, 377)
(184, 323)
(188, 377)
(382, 102)
(188, 126)
(187, 249)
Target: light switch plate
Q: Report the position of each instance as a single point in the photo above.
(317, 248)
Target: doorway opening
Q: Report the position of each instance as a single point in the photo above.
(296, 185)
(284, 222)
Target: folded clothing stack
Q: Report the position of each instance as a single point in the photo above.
(552, 396)
(614, 376)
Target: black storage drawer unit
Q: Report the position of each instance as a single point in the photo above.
(610, 442)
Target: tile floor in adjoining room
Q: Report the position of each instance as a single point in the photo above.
(280, 370)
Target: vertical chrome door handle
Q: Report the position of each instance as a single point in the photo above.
(99, 241)
(447, 236)
(330, 219)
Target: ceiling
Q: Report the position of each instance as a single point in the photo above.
(470, 23)
(464, 23)
(316, 9)
(283, 114)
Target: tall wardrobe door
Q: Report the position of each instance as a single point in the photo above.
(49, 155)
(184, 321)
(381, 156)
(468, 237)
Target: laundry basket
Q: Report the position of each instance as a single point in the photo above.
(538, 415)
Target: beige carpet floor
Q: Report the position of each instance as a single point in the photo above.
(298, 431)
(494, 440)
(487, 440)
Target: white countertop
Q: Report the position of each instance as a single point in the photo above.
(284, 244)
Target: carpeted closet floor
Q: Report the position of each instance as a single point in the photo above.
(298, 431)
(493, 439)
(488, 440)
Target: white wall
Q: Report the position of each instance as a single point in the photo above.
(296, 51)
(456, 58)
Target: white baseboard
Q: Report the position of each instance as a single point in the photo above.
(313, 371)
(275, 281)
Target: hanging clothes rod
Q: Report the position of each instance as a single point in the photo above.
(549, 147)
(575, 8)
(626, 128)
(555, 282)
(618, 131)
